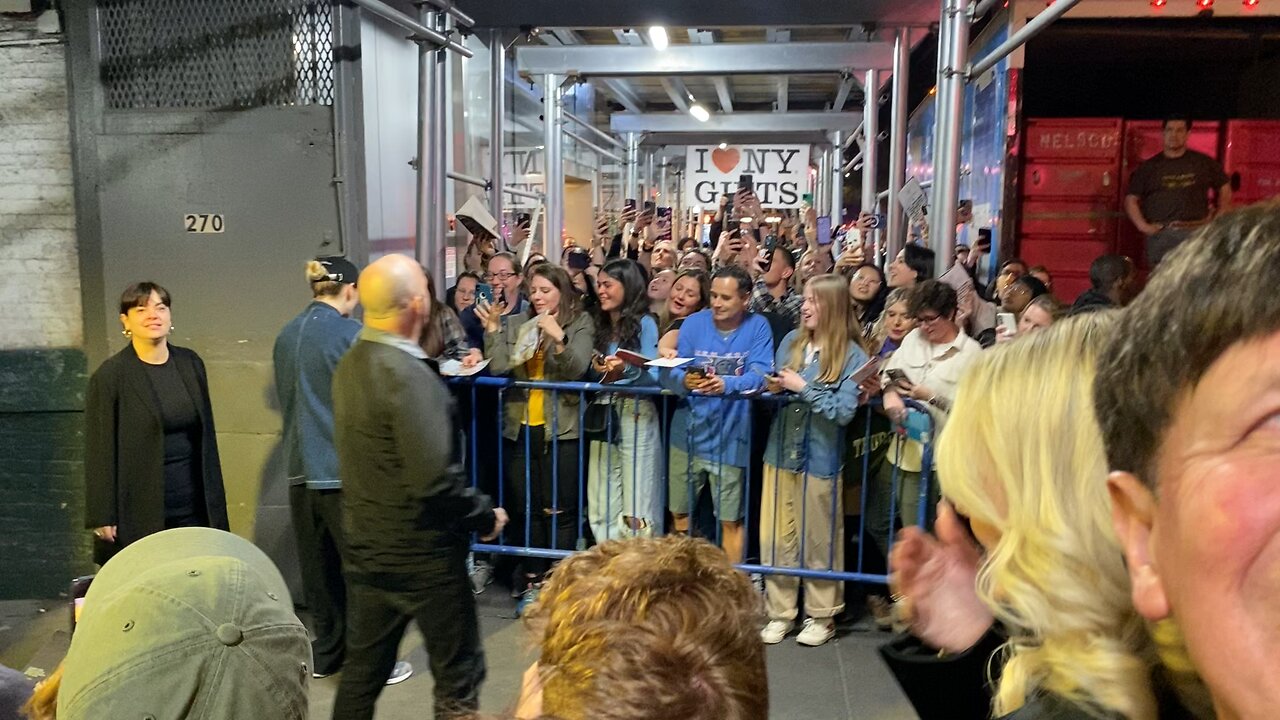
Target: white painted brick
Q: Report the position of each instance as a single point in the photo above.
(37, 218)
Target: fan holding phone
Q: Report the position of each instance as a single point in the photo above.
(926, 369)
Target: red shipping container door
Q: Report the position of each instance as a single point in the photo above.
(1144, 139)
(1070, 197)
(1252, 160)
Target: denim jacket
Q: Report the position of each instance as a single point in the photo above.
(808, 432)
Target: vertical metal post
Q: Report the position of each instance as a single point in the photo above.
(837, 178)
(648, 175)
(897, 234)
(822, 189)
(426, 152)
(438, 229)
(497, 112)
(553, 165)
(632, 170)
(946, 183)
(662, 199)
(870, 148)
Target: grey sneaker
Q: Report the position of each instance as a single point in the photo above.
(401, 672)
(481, 576)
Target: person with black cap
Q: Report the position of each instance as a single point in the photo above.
(306, 353)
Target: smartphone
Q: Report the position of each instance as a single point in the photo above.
(770, 244)
(484, 291)
(824, 230)
(807, 199)
(868, 369)
(746, 183)
(897, 377)
(524, 220)
(728, 210)
(696, 372)
(1008, 322)
(649, 207)
(877, 221)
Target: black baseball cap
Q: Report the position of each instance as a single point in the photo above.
(339, 269)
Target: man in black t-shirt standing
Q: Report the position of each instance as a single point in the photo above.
(1169, 193)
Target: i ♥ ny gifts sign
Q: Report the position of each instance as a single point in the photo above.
(779, 173)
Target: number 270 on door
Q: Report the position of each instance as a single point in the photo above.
(203, 222)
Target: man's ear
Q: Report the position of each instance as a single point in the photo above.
(1133, 509)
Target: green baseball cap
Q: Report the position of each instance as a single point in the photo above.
(187, 623)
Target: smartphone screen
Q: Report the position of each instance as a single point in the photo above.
(629, 204)
(484, 291)
(824, 230)
(1008, 322)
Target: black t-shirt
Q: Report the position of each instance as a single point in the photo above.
(1176, 189)
(181, 421)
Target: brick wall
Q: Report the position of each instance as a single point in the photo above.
(42, 364)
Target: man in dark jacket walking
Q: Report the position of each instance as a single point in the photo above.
(407, 510)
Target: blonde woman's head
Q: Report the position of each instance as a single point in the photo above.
(1032, 477)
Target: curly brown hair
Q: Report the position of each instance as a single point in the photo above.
(650, 628)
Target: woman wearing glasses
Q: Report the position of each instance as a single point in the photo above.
(503, 275)
(926, 368)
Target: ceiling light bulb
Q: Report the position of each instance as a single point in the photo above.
(724, 145)
(699, 112)
(658, 37)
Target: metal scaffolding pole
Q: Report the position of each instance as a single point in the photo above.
(497, 111)
(553, 165)
(947, 135)
(632, 167)
(897, 231)
(662, 198)
(1020, 38)
(422, 30)
(606, 137)
(437, 228)
(837, 178)
(870, 147)
(426, 150)
(822, 192)
(648, 175)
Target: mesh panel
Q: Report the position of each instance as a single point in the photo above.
(215, 53)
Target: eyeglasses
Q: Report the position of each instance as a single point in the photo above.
(923, 320)
(504, 275)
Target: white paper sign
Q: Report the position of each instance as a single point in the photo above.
(779, 173)
(913, 201)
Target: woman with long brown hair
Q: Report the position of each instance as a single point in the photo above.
(541, 426)
(802, 461)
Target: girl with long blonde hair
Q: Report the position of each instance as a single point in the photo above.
(1032, 479)
(803, 457)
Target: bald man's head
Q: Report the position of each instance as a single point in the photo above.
(393, 291)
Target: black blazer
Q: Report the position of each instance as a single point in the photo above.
(124, 449)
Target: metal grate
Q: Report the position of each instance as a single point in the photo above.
(215, 53)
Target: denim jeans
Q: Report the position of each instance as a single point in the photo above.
(624, 478)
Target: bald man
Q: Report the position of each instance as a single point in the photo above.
(407, 509)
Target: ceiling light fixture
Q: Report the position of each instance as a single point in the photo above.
(699, 112)
(658, 37)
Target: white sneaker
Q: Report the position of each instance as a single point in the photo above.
(817, 631)
(775, 631)
(401, 672)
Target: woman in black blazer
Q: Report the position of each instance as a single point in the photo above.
(151, 456)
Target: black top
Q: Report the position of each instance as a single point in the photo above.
(1176, 189)
(180, 422)
(406, 504)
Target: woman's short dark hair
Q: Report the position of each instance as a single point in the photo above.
(451, 295)
(139, 294)
(920, 259)
(1033, 285)
(932, 295)
(687, 243)
(1216, 290)
(635, 306)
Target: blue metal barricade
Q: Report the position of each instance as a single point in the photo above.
(542, 461)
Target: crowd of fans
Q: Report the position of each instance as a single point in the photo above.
(1101, 542)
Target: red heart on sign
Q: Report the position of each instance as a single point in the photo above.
(726, 159)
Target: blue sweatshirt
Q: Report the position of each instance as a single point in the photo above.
(711, 427)
(306, 353)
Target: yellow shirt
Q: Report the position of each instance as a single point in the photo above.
(536, 415)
